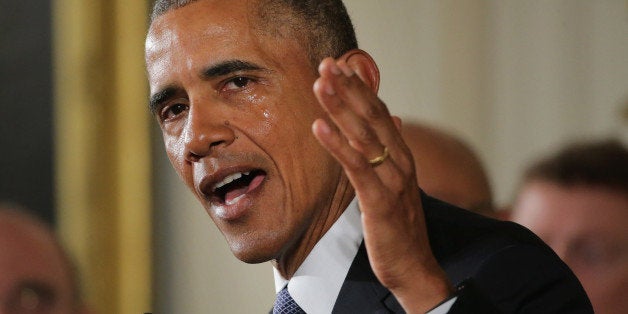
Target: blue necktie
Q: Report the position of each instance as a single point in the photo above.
(284, 304)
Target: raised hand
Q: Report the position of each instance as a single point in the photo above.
(364, 138)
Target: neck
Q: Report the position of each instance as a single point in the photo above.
(288, 263)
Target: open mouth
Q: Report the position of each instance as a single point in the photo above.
(234, 186)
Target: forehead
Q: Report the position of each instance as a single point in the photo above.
(206, 32)
(211, 25)
(198, 22)
(579, 208)
(205, 12)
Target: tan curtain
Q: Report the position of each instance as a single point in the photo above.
(103, 149)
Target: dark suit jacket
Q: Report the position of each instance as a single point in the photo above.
(497, 267)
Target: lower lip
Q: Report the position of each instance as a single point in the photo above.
(237, 207)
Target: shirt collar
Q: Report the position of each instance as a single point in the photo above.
(316, 284)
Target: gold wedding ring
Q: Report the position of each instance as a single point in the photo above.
(380, 159)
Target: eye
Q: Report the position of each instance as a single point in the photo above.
(238, 82)
(172, 111)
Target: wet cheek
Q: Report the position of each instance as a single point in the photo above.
(265, 116)
(268, 118)
(266, 124)
(176, 153)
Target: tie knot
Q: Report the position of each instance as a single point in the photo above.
(285, 304)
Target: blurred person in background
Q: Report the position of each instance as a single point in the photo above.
(577, 202)
(448, 169)
(36, 274)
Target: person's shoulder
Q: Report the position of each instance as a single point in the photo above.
(453, 230)
(505, 261)
(463, 241)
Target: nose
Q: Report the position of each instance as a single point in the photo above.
(205, 132)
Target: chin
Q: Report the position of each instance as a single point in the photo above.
(252, 258)
(254, 249)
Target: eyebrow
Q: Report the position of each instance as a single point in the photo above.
(213, 71)
(160, 97)
(228, 67)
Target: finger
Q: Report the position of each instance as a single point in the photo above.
(398, 123)
(357, 111)
(360, 135)
(365, 102)
(367, 183)
(385, 126)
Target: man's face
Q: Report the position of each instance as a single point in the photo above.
(235, 106)
(587, 226)
(34, 277)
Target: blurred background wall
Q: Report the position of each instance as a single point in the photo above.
(103, 156)
(513, 78)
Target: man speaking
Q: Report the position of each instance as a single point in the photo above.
(270, 115)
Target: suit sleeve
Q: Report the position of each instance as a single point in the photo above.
(499, 267)
(522, 279)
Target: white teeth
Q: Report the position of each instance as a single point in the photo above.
(228, 179)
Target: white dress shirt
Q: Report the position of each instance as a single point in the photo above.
(316, 283)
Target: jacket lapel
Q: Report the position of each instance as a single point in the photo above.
(361, 292)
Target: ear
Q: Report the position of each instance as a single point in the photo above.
(364, 65)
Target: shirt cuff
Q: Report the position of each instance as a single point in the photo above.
(444, 307)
